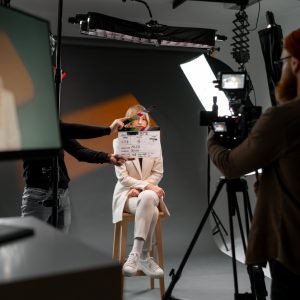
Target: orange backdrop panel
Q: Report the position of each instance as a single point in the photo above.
(13, 72)
(103, 115)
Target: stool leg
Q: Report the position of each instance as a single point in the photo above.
(151, 279)
(116, 247)
(160, 255)
(122, 232)
(123, 242)
(116, 241)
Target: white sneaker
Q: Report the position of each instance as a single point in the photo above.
(130, 267)
(150, 268)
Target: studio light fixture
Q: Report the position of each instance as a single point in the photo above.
(230, 4)
(220, 38)
(151, 33)
(201, 73)
(270, 19)
(271, 45)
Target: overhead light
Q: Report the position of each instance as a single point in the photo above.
(151, 33)
(237, 4)
(230, 4)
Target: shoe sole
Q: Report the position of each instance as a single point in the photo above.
(149, 274)
(129, 274)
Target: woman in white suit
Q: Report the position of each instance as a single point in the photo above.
(137, 192)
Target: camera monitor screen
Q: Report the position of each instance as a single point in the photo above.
(28, 111)
(219, 126)
(233, 81)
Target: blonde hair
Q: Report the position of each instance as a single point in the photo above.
(135, 109)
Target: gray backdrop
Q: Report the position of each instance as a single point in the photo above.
(154, 78)
(100, 71)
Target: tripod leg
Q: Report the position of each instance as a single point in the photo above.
(257, 280)
(248, 211)
(176, 275)
(231, 196)
(236, 207)
(219, 226)
(256, 274)
(219, 221)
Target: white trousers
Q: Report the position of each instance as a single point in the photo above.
(144, 207)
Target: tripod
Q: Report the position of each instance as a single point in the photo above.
(219, 227)
(255, 273)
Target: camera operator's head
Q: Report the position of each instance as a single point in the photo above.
(289, 85)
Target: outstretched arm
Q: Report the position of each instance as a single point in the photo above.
(82, 153)
(85, 154)
(82, 131)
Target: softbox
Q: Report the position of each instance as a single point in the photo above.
(271, 45)
(153, 33)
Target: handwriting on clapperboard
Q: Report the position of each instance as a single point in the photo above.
(140, 144)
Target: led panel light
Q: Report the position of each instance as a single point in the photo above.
(151, 33)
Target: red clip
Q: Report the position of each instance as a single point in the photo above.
(63, 74)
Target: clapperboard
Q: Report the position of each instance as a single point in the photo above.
(139, 144)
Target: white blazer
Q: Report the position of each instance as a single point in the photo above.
(130, 175)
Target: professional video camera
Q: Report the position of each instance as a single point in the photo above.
(232, 129)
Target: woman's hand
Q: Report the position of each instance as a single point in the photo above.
(133, 193)
(159, 191)
(117, 124)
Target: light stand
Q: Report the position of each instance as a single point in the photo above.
(232, 187)
(55, 164)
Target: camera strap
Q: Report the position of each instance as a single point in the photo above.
(283, 186)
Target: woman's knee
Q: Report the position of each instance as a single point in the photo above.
(149, 197)
(155, 214)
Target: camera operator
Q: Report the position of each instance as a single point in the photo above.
(274, 146)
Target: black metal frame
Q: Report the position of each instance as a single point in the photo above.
(23, 154)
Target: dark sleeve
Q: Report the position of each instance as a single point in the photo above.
(80, 131)
(82, 153)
